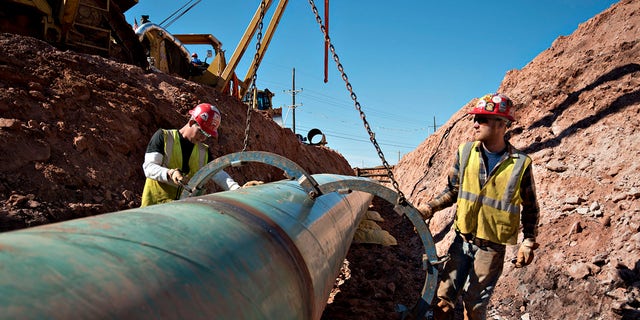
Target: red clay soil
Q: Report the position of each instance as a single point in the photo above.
(381, 278)
(74, 129)
(578, 116)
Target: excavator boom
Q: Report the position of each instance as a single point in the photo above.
(168, 53)
(246, 39)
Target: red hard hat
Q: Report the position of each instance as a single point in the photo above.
(208, 118)
(494, 104)
(194, 54)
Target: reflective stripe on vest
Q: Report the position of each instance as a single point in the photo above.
(173, 153)
(491, 211)
(157, 192)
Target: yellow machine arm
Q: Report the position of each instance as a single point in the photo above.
(244, 43)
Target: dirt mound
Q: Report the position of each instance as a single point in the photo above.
(74, 129)
(578, 111)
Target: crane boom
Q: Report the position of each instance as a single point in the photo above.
(273, 24)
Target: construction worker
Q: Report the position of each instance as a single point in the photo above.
(173, 156)
(492, 184)
(195, 61)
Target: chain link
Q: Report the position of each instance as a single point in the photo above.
(252, 89)
(401, 198)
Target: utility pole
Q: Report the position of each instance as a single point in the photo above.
(293, 92)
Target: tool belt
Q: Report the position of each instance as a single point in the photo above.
(481, 243)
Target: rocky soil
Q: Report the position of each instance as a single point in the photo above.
(74, 128)
(578, 111)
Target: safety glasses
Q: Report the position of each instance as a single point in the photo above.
(480, 119)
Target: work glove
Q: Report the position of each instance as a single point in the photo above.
(252, 183)
(425, 211)
(525, 252)
(176, 176)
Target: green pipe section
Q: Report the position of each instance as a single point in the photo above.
(265, 252)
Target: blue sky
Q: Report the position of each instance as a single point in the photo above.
(408, 61)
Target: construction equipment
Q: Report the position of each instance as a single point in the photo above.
(271, 251)
(99, 27)
(89, 26)
(262, 100)
(167, 53)
(377, 173)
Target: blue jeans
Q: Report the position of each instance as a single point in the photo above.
(473, 271)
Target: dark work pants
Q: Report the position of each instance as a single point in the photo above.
(473, 271)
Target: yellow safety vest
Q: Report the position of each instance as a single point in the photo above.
(157, 192)
(491, 211)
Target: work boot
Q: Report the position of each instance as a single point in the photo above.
(475, 314)
(443, 311)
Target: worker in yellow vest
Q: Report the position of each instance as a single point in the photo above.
(492, 184)
(175, 155)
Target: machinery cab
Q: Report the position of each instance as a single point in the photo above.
(263, 99)
(264, 104)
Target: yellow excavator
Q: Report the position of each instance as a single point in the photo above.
(99, 27)
(167, 53)
(89, 26)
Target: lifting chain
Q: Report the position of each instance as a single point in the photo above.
(401, 198)
(252, 89)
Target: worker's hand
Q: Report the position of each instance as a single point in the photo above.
(425, 211)
(176, 176)
(525, 252)
(252, 183)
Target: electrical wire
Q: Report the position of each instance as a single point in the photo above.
(445, 135)
(339, 136)
(179, 15)
(335, 103)
(174, 13)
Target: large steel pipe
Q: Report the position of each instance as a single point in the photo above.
(265, 252)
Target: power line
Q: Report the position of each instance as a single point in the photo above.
(293, 92)
(339, 136)
(332, 102)
(179, 15)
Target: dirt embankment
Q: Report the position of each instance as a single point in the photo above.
(578, 111)
(74, 129)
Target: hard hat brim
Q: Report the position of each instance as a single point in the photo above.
(487, 113)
